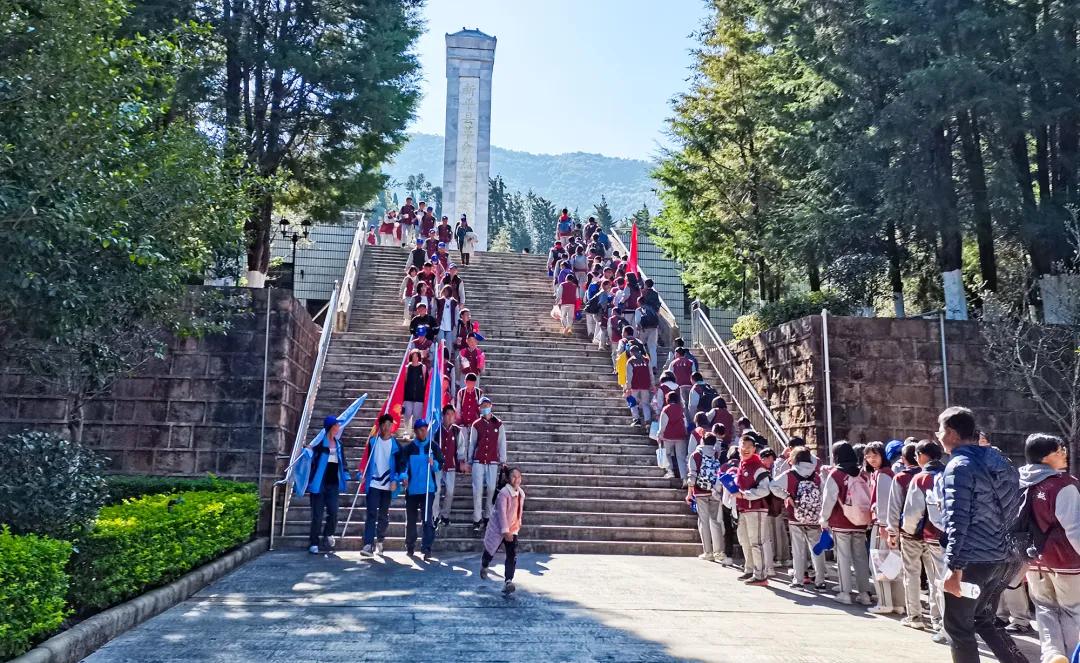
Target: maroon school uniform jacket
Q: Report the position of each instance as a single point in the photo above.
(793, 480)
(675, 428)
(429, 279)
(640, 379)
(683, 369)
(568, 293)
(427, 224)
(724, 417)
(924, 481)
(751, 472)
(449, 445)
(487, 440)
(445, 232)
(407, 214)
(903, 479)
(475, 357)
(468, 404)
(440, 305)
(837, 520)
(1058, 553)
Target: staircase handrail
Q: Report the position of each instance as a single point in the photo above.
(751, 405)
(309, 403)
(665, 312)
(342, 312)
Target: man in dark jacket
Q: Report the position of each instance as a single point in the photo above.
(979, 493)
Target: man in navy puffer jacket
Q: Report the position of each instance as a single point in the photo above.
(979, 492)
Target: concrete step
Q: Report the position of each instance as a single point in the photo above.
(553, 546)
(461, 516)
(561, 531)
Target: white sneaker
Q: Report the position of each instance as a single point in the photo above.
(913, 622)
(314, 550)
(378, 548)
(842, 597)
(509, 587)
(879, 610)
(332, 541)
(366, 551)
(864, 599)
(900, 610)
(941, 637)
(727, 561)
(708, 557)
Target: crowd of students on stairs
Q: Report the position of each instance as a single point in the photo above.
(470, 439)
(897, 516)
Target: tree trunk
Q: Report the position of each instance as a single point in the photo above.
(233, 74)
(762, 281)
(896, 280)
(948, 222)
(971, 147)
(813, 271)
(257, 228)
(76, 410)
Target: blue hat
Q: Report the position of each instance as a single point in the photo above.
(442, 245)
(420, 423)
(421, 330)
(418, 240)
(893, 450)
(451, 266)
(329, 421)
(484, 399)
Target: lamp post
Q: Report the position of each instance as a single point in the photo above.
(292, 234)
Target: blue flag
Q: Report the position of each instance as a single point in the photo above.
(302, 468)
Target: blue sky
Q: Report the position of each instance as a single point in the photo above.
(570, 75)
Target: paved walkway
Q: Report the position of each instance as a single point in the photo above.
(291, 607)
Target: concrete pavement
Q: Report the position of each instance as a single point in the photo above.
(289, 606)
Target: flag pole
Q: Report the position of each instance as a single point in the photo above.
(351, 507)
(427, 481)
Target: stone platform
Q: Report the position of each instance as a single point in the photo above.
(288, 606)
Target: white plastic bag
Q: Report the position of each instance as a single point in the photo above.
(662, 460)
(886, 564)
(654, 430)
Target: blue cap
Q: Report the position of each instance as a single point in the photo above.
(420, 423)
(484, 399)
(329, 421)
(442, 245)
(893, 450)
(418, 240)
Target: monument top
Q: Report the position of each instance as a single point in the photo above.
(475, 32)
(470, 45)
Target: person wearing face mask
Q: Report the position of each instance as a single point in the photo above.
(486, 453)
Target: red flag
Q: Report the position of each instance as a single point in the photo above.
(393, 407)
(631, 262)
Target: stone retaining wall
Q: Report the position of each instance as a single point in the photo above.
(197, 410)
(887, 380)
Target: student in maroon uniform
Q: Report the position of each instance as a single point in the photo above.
(566, 294)
(800, 488)
(467, 403)
(752, 506)
(920, 537)
(406, 217)
(431, 244)
(408, 291)
(427, 223)
(703, 466)
(890, 593)
(427, 275)
(850, 539)
(423, 297)
(386, 230)
(447, 310)
(719, 414)
(444, 232)
(466, 326)
(453, 451)
(452, 279)
(471, 358)
(673, 435)
(372, 236)
(1054, 577)
(639, 386)
(683, 370)
(486, 452)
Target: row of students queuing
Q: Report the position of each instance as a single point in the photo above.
(471, 441)
(898, 512)
(417, 225)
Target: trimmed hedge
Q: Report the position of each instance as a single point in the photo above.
(123, 486)
(33, 585)
(147, 542)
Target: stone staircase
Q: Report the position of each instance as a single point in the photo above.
(592, 481)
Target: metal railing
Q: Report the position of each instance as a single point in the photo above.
(666, 316)
(305, 415)
(342, 310)
(749, 403)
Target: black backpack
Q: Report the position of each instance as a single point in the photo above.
(1028, 537)
(706, 395)
(649, 318)
(593, 305)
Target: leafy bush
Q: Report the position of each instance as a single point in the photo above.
(123, 486)
(32, 589)
(146, 542)
(747, 325)
(49, 485)
(801, 305)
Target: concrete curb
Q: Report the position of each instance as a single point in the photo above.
(89, 635)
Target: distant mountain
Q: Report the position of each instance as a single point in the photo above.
(570, 180)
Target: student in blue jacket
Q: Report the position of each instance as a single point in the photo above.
(421, 486)
(328, 480)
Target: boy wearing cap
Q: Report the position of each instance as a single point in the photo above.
(486, 452)
(405, 218)
(422, 461)
(423, 319)
(328, 480)
(431, 243)
(417, 257)
(444, 232)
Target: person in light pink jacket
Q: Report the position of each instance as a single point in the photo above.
(505, 523)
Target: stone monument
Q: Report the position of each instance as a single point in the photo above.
(470, 57)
